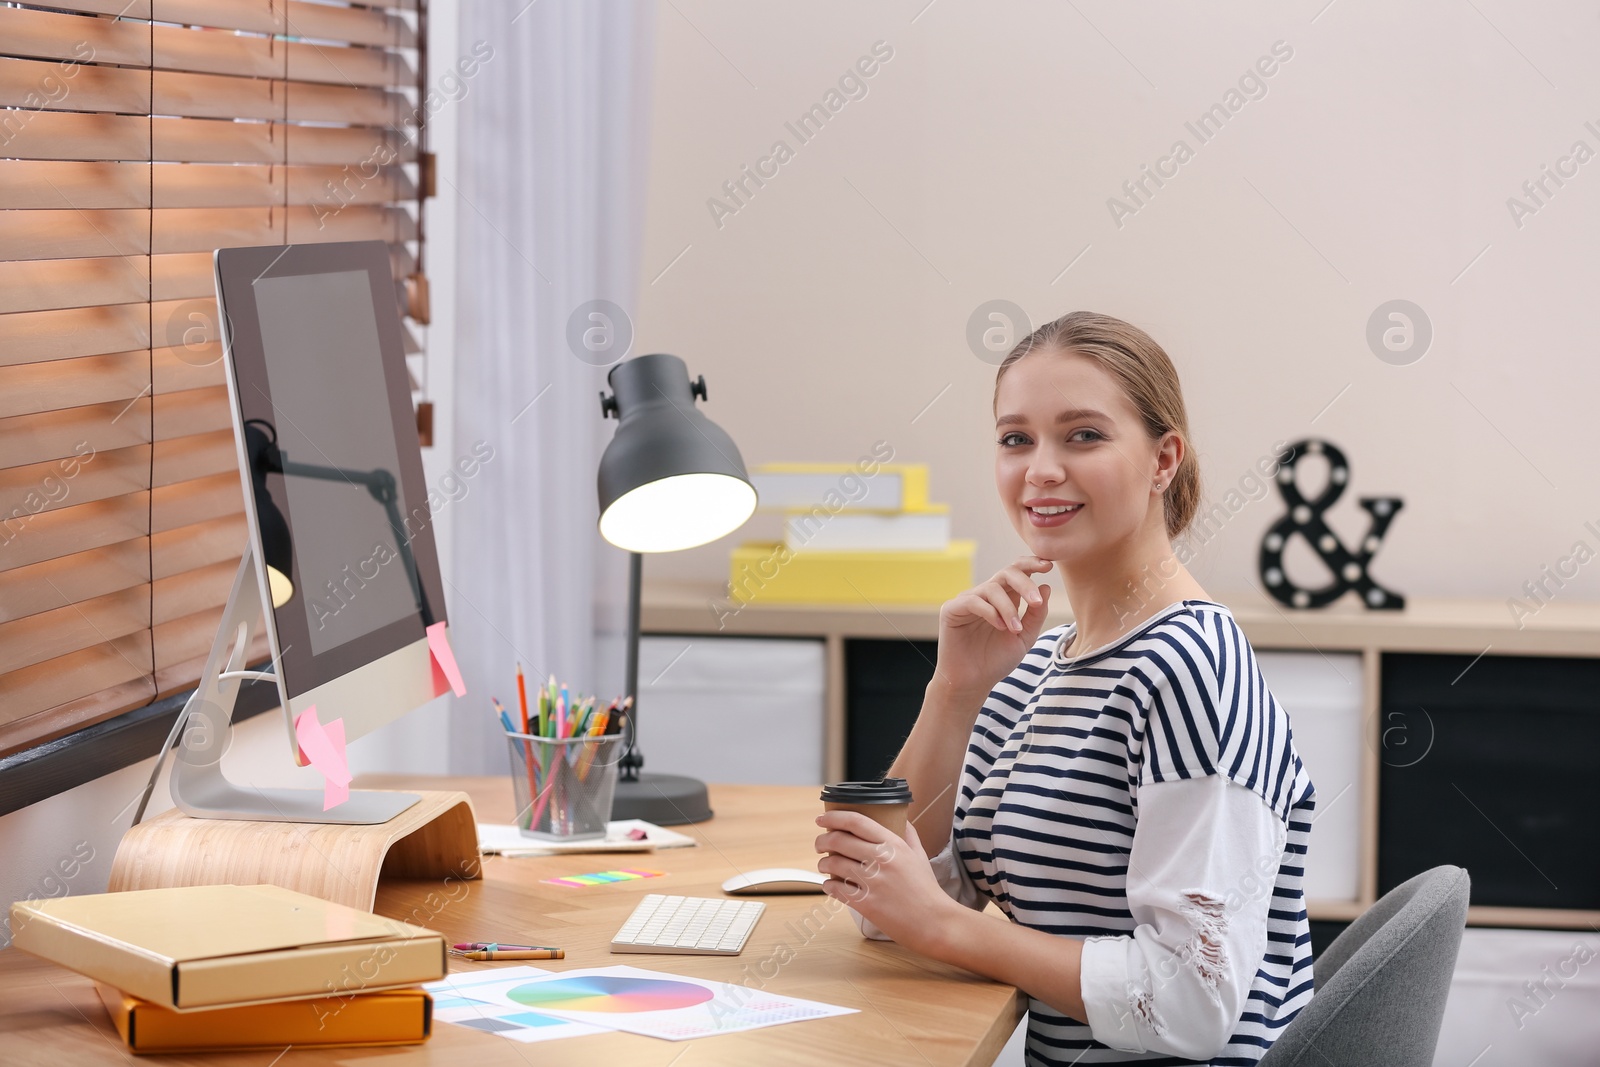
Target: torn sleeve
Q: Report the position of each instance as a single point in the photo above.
(1201, 875)
(953, 879)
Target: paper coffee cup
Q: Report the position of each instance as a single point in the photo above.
(885, 802)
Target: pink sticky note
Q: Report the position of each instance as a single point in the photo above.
(444, 660)
(324, 748)
(336, 790)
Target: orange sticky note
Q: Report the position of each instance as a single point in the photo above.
(324, 748)
(444, 660)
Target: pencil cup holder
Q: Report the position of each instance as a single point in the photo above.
(564, 786)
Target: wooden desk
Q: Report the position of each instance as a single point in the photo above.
(912, 1010)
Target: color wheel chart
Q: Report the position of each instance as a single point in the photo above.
(472, 999)
(654, 1004)
(610, 993)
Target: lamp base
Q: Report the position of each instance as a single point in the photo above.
(664, 799)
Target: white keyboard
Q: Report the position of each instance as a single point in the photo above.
(688, 926)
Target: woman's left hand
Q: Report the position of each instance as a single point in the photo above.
(886, 879)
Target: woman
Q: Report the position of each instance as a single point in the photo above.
(1124, 786)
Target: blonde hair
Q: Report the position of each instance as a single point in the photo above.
(1146, 375)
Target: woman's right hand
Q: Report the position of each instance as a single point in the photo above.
(985, 631)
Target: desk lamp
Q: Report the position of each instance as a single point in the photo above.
(670, 479)
(261, 441)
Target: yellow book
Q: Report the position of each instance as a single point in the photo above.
(205, 946)
(389, 1017)
(923, 529)
(841, 486)
(772, 573)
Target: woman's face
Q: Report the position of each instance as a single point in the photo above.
(1068, 437)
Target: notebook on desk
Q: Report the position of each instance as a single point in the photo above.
(386, 1017)
(195, 947)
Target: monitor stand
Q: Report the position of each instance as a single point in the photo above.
(226, 834)
(198, 786)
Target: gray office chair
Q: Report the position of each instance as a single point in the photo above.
(1382, 984)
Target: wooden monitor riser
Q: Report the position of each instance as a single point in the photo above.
(437, 837)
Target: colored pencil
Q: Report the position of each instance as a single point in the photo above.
(543, 799)
(527, 746)
(550, 706)
(522, 696)
(504, 716)
(597, 728)
(582, 728)
(547, 759)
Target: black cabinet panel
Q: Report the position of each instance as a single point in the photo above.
(1323, 933)
(884, 684)
(1494, 770)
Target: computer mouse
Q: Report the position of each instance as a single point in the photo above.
(775, 880)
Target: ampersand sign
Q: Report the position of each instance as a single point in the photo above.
(1304, 517)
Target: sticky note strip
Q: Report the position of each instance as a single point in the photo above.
(604, 877)
(324, 747)
(444, 660)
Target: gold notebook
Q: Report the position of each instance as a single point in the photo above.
(195, 947)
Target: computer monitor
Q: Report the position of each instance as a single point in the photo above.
(342, 560)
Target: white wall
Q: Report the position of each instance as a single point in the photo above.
(1522, 996)
(830, 310)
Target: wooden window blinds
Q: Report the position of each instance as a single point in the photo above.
(137, 136)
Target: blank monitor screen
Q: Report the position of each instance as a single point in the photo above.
(328, 440)
(325, 373)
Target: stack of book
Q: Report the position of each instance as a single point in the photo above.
(213, 968)
(851, 537)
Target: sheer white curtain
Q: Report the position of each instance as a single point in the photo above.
(553, 146)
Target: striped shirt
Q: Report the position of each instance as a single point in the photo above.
(1048, 810)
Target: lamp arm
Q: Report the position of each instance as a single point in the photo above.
(380, 484)
(375, 481)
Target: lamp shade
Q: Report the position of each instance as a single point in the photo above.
(671, 478)
(276, 547)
